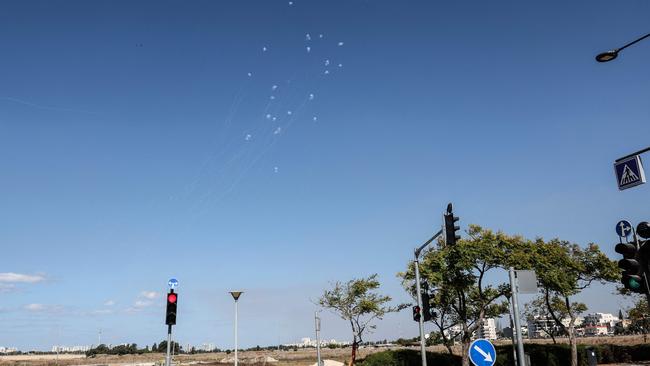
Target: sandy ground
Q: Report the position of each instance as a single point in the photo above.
(301, 357)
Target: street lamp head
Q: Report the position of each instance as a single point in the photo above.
(236, 294)
(607, 56)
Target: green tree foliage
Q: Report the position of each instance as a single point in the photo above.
(565, 269)
(357, 302)
(456, 274)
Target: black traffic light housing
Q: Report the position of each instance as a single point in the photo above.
(416, 313)
(451, 235)
(426, 307)
(636, 257)
(632, 276)
(172, 304)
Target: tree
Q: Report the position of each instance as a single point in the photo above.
(456, 274)
(565, 269)
(357, 302)
(638, 314)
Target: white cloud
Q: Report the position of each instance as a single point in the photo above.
(10, 277)
(35, 307)
(142, 303)
(109, 303)
(149, 294)
(42, 308)
(7, 287)
(102, 312)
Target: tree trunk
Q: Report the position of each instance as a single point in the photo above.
(353, 358)
(574, 344)
(449, 349)
(465, 351)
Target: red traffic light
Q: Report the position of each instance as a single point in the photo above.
(171, 298)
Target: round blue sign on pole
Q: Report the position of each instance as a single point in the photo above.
(623, 228)
(172, 283)
(482, 353)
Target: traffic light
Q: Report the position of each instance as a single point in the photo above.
(450, 226)
(643, 230)
(416, 313)
(172, 302)
(426, 307)
(633, 277)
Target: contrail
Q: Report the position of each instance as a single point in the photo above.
(47, 108)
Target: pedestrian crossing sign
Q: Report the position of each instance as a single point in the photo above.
(629, 172)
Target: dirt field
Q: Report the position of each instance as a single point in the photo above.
(303, 357)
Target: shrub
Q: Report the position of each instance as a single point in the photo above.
(408, 357)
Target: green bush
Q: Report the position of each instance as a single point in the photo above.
(540, 355)
(408, 357)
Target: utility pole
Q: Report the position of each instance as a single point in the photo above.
(515, 309)
(317, 320)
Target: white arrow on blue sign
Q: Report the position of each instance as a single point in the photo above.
(623, 228)
(482, 353)
(172, 283)
(629, 172)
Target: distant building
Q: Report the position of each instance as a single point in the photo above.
(70, 349)
(596, 330)
(487, 329)
(308, 342)
(601, 319)
(8, 350)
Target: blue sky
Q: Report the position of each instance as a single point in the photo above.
(137, 147)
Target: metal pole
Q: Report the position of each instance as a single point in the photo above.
(317, 319)
(512, 329)
(418, 295)
(236, 344)
(515, 309)
(168, 359)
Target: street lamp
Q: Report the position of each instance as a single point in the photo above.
(236, 295)
(610, 55)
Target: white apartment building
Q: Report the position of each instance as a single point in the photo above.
(487, 330)
(606, 319)
(308, 342)
(70, 349)
(540, 326)
(8, 350)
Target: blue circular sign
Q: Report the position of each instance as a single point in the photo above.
(623, 228)
(172, 283)
(482, 353)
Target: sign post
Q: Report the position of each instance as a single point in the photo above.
(170, 317)
(515, 310)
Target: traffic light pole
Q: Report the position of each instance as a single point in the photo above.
(418, 295)
(646, 270)
(423, 345)
(168, 359)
